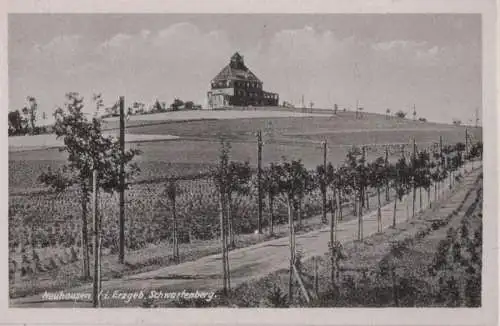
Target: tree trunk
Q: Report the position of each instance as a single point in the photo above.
(414, 195)
(355, 204)
(435, 191)
(230, 220)
(387, 190)
(407, 197)
(420, 195)
(340, 204)
(85, 234)
(429, 203)
(323, 198)
(333, 238)
(333, 223)
(299, 213)
(367, 195)
(271, 213)
(223, 241)
(379, 212)
(394, 212)
(360, 220)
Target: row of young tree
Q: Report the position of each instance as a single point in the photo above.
(289, 182)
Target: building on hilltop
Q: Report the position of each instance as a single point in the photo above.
(236, 85)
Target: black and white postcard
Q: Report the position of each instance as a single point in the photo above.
(303, 158)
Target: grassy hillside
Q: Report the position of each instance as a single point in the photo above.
(293, 137)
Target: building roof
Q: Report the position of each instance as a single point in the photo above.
(236, 70)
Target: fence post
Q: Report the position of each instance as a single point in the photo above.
(324, 143)
(96, 301)
(223, 239)
(414, 193)
(441, 163)
(386, 176)
(259, 180)
(121, 257)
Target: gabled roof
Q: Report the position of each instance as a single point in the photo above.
(229, 72)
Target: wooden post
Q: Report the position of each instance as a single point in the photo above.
(228, 270)
(301, 284)
(386, 175)
(292, 263)
(360, 204)
(174, 222)
(358, 208)
(441, 163)
(414, 179)
(223, 240)
(324, 143)
(333, 234)
(332, 225)
(379, 211)
(96, 301)
(259, 181)
(121, 257)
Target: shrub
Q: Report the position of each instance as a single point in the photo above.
(400, 114)
(276, 298)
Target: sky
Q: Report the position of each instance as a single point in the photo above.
(381, 61)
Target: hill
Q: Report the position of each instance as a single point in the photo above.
(296, 136)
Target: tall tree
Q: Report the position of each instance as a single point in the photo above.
(88, 149)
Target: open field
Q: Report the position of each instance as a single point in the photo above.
(198, 146)
(50, 141)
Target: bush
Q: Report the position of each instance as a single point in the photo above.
(276, 298)
(400, 114)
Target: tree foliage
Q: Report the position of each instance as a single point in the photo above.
(88, 149)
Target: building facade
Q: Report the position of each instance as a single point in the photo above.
(236, 85)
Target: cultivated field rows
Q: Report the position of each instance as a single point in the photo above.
(259, 260)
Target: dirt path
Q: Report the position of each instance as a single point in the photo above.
(247, 263)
